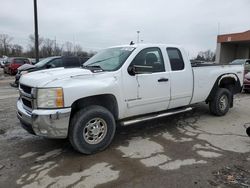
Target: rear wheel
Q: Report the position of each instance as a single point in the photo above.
(92, 129)
(220, 104)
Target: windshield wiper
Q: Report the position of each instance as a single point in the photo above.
(92, 64)
(93, 68)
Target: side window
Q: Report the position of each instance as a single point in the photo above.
(71, 62)
(19, 61)
(150, 59)
(26, 61)
(55, 63)
(175, 58)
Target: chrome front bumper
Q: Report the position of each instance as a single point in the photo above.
(48, 123)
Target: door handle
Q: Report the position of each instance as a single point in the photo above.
(163, 80)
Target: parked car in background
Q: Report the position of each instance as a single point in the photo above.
(33, 61)
(48, 63)
(3, 61)
(245, 62)
(246, 84)
(13, 63)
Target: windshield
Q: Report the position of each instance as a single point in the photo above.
(110, 59)
(238, 62)
(44, 62)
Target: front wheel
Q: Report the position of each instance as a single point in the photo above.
(220, 104)
(92, 129)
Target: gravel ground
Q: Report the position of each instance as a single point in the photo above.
(193, 149)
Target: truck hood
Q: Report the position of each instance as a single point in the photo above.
(44, 77)
(25, 67)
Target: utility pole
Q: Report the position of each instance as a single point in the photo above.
(218, 28)
(138, 37)
(36, 31)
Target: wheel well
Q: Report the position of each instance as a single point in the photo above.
(229, 82)
(106, 100)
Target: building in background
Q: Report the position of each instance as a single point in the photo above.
(233, 46)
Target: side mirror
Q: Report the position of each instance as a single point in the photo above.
(131, 70)
(139, 69)
(49, 66)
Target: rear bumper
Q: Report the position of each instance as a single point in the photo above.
(46, 123)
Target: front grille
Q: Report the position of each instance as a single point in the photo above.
(27, 103)
(26, 89)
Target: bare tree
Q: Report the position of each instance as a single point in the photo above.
(68, 48)
(47, 47)
(16, 50)
(31, 45)
(5, 44)
(78, 50)
(207, 55)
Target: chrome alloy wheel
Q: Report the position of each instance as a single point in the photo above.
(223, 103)
(95, 131)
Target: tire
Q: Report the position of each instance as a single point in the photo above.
(220, 104)
(92, 129)
(248, 131)
(12, 72)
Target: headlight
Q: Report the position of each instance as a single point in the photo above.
(50, 98)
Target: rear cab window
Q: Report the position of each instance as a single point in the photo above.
(175, 59)
(21, 61)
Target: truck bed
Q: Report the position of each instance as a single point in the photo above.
(205, 75)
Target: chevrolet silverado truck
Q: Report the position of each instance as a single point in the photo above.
(121, 85)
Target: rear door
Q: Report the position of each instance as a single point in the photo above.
(152, 87)
(181, 75)
(54, 63)
(71, 62)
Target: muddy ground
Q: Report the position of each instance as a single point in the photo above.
(194, 149)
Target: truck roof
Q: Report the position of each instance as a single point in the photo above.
(145, 45)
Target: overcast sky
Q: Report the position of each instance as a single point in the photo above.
(95, 24)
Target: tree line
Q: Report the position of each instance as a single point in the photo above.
(47, 47)
(207, 56)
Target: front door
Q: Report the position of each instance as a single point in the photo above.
(152, 84)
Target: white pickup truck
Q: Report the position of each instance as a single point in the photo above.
(121, 85)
